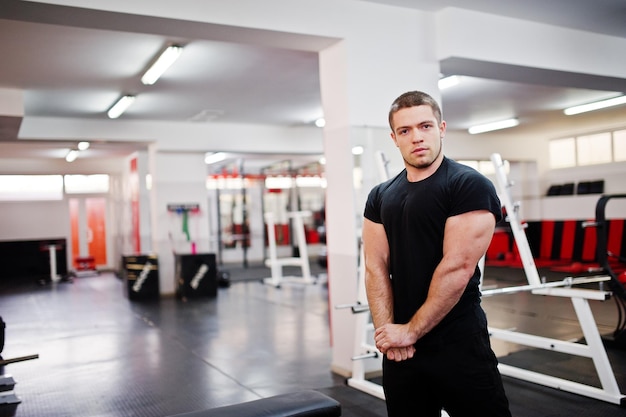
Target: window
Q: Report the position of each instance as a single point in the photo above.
(31, 187)
(485, 167)
(84, 184)
(619, 145)
(597, 148)
(562, 153)
(594, 149)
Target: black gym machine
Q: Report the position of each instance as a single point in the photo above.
(613, 264)
(8, 399)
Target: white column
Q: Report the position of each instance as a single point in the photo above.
(360, 77)
(177, 179)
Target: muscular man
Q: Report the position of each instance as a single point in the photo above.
(424, 232)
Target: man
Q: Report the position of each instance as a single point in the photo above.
(424, 233)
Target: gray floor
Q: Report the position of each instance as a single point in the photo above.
(103, 355)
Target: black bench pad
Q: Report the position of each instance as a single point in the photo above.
(298, 404)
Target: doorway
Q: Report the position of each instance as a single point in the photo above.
(88, 230)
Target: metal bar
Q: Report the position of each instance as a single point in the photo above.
(18, 359)
(541, 342)
(575, 293)
(561, 384)
(368, 387)
(518, 232)
(592, 337)
(531, 287)
(369, 355)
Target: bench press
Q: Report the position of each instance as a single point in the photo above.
(593, 347)
(302, 404)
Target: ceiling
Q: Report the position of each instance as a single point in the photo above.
(76, 64)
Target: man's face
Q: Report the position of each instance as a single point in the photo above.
(418, 135)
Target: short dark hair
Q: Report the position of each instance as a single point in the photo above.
(413, 99)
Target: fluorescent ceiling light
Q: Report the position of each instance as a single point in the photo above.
(162, 63)
(320, 122)
(120, 106)
(493, 126)
(214, 157)
(448, 82)
(615, 101)
(83, 146)
(71, 155)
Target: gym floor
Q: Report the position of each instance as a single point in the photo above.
(101, 354)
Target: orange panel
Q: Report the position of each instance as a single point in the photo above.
(74, 229)
(96, 209)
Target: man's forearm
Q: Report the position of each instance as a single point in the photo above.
(446, 288)
(379, 298)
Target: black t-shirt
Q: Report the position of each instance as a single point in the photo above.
(414, 216)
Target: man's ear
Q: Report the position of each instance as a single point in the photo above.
(393, 137)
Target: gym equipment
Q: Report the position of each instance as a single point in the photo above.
(593, 348)
(141, 276)
(613, 264)
(223, 279)
(303, 404)
(18, 359)
(30, 259)
(196, 275)
(8, 399)
(276, 264)
(184, 211)
(2, 327)
(85, 266)
(52, 255)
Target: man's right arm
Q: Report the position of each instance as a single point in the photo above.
(378, 283)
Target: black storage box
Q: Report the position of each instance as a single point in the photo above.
(141, 276)
(196, 275)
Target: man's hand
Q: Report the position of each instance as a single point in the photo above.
(400, 354)
(390, 336)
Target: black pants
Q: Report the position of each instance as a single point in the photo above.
(461, 377)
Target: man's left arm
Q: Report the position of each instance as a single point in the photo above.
(466, 239)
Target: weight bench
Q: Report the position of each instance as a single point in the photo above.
(298, 404)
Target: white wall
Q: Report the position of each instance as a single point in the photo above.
(33, 220)
(178, 178)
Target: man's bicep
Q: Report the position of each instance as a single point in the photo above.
(469, 234)
(375, 245)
